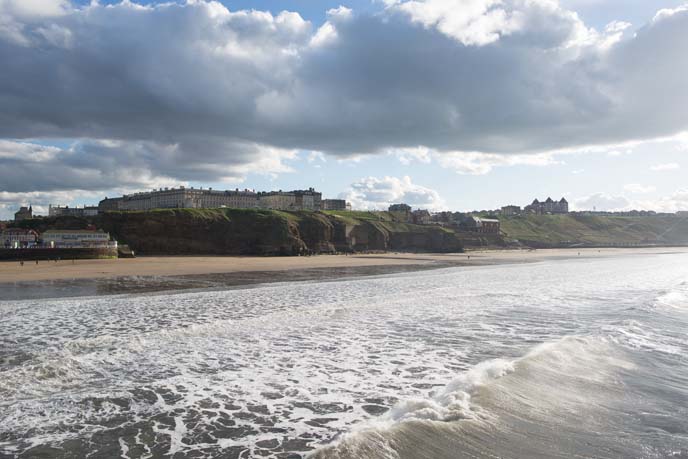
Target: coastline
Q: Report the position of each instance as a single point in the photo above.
(155, 274)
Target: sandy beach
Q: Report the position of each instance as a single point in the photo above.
(11, 272)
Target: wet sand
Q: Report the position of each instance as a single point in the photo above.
(151, 274)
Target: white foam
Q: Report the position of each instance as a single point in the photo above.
(319, 359)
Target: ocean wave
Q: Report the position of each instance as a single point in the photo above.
(554, 383)
(676, 298)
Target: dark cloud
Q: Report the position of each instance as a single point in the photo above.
(195, 92)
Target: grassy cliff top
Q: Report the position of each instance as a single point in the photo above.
(594, 229)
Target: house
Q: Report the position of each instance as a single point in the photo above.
(334, 204)
(549, 206)
(60, 211)
(399, 208)
(24, 213)
(421, 217)
(18, 238)
(511, 210)
(58, 239)
(481, 225)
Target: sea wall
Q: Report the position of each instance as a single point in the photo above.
(56, 254)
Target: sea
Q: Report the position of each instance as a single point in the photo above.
(584, 357)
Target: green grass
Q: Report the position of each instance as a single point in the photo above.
(593, 229)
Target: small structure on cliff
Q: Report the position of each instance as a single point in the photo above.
(549, 206)
(511, 210)
(24, 213)
(481, 225)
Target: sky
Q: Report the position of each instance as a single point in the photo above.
(442, 104)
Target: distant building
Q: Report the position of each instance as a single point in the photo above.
(400, 208)
(109, 204)
(75, 238)
(198, 198)
(18, 238)
(421, 217)
(24, 213)
(549, 206)
(511, 210)
(291, 200)
(59, 211)
(334, 204)
(482, 225)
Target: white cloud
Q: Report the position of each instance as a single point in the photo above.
(602, 202)
(678, 200)
(474, 163)
(472, 22)
(193, 91)
(665, 167)
(665, 13)
(378, 193)
(109, 164)
(10, 202)
(637, 188)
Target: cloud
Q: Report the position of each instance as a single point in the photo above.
(665, 167)
(475, 163)
(678, 200)
(378, 193)
(499, 77)
(113, 164)
(40, 201)
(195, 91)
(602, 202)
(637, 188)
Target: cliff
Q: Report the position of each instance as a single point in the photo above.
(267, 232)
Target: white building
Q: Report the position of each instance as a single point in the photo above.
(76, 238)
(16, 238)
(86, 211)
(198, 198)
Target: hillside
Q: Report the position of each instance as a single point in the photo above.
(573, 229)
(267, 232)
(226, 231)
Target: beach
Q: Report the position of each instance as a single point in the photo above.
(11, 272)
(67, 278)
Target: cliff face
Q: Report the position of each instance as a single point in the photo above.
(212, 231)
(265, 232)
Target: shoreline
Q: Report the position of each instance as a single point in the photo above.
(157, 274)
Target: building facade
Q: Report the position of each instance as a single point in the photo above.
(400, 208)
(59, 211)
(481, 225)
(335, 204)
(511, 210)
(59, 239)
(421, 217)
(18, 238)
(24, 213)
(549, 206)
(291, 200)
(198, 198)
